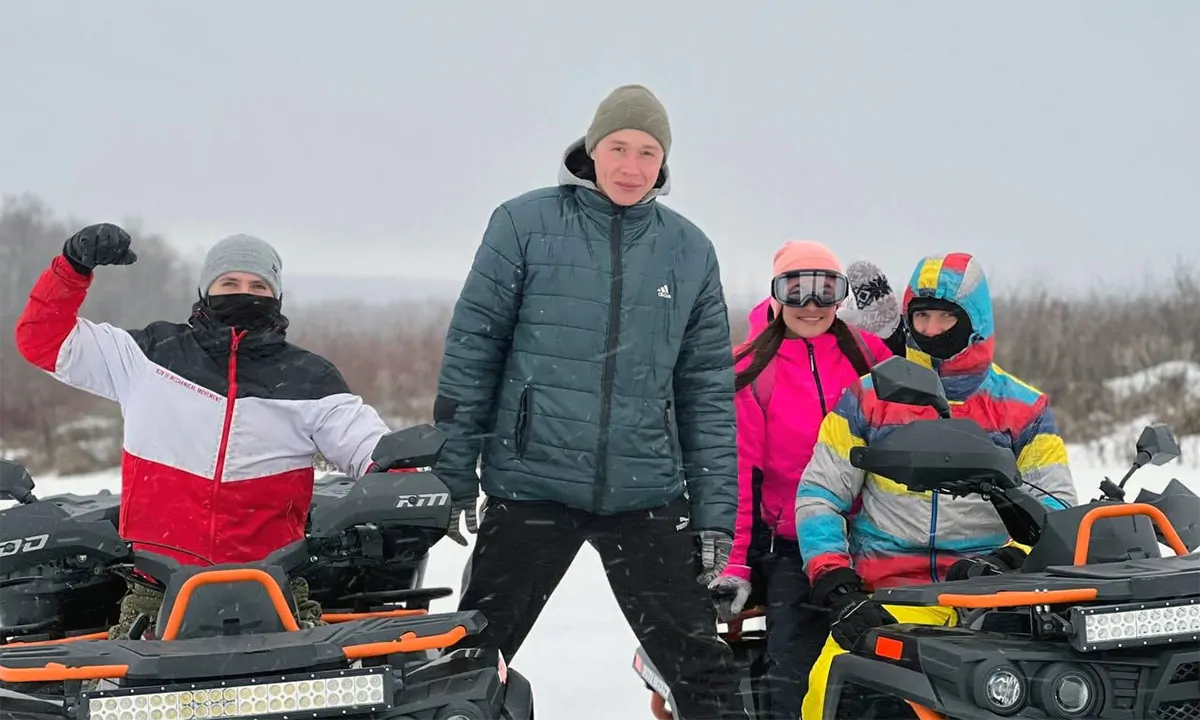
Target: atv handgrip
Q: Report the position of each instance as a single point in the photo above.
(212, 577)
(1083, 537)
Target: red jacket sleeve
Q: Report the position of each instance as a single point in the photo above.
(98, 358)
(51, 313)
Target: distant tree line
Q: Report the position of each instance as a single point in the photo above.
(1066, 347)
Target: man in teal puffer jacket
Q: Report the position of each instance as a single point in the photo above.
(589, 362)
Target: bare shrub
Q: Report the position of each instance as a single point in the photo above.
(33, 406)
(1069, 347)
(390, 355)
(1066, 346)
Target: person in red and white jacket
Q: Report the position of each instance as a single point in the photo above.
(222, 416)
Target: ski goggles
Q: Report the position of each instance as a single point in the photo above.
(799, 287)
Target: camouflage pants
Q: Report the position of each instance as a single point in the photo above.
(141, 600)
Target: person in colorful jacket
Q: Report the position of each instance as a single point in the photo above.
(799, 358)
(222, 416)
(899, 537)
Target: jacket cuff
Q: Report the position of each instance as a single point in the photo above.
(67, 270)
(737, 571)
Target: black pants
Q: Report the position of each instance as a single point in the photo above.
(523, 549)
(796, 630)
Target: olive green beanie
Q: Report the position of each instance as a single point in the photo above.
(630, 107)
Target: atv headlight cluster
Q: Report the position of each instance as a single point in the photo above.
(1000, 687)
(1138, 624)
(312, 695)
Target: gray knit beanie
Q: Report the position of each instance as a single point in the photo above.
(243, 253)
(630, 107)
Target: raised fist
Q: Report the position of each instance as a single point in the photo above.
(101, 244)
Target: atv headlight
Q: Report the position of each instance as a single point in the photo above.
(1066, 690)
(1000, 687)
(315, 695)
(1139, 624)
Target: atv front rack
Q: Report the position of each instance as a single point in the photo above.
(149, 661)
(1130, 581)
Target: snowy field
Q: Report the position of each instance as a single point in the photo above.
(578, 655)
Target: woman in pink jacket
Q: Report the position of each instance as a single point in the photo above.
(799, 358)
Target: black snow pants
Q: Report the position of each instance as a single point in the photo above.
(523, 549)
(796, 629)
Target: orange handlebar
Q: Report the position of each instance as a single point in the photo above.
(1084, 537)
(1017, 598)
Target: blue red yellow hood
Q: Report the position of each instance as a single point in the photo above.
(956, 278)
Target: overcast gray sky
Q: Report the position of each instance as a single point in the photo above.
(1057, 140)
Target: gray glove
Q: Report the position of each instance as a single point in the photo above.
(730, 593)
(463, 506)
(877, 309)
(715, 547)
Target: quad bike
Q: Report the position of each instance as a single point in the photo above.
(227, 641)
(53, 600)
(1096, 624)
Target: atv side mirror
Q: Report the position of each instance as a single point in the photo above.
(412, 447)
(15, 482)
(1157, 445)
(903, 381)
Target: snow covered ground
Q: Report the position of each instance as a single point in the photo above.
(578, 655)
(1146, 380)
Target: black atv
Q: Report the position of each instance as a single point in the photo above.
(227, 641)
(66, 597)
(1097, 623)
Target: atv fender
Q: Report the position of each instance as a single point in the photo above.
(850, 674)
(518, 698)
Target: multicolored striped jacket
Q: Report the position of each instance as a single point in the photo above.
(899, 537)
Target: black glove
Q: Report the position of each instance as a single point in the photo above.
(102, 244)
(851, 611)
(999, 561)
(897, 342)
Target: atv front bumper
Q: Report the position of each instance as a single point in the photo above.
(474, 684)
(939, 673)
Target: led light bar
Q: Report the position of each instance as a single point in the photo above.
(310, 695)
(1135, 624)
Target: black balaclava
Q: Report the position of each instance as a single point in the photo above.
(949, 343)
(243, 311)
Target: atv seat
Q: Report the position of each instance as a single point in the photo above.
(1185, 566)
